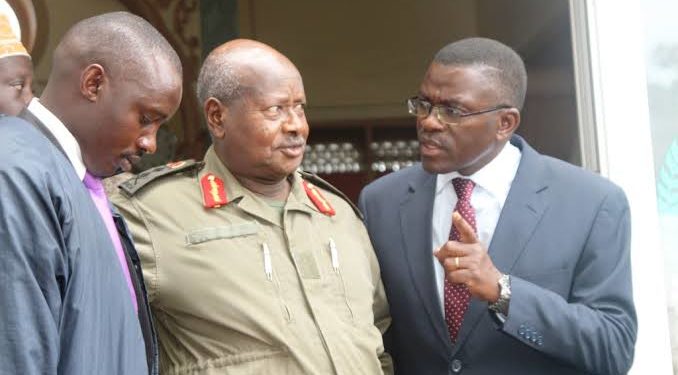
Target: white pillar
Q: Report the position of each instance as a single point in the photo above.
(622, 127)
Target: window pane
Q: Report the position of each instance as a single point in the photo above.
(661, 42)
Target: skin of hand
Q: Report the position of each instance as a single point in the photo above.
(474, 267)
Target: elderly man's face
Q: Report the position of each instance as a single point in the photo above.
(266, 128)
(126, 119)
(16, 78)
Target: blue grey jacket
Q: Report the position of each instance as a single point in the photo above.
(64, 303)
(563, 236)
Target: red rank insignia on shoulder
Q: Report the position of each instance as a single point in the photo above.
(318, 200)
(213, 193)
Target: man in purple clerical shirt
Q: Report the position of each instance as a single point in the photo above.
(72, 299)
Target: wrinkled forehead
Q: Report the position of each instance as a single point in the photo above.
(478, 72)
(261, 80)
(444, 83)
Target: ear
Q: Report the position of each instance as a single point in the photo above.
(215, 113)
(92, 80)
(508, 123)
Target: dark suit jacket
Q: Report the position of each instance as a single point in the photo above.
(563, 236)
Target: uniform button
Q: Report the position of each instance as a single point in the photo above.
(456, 366)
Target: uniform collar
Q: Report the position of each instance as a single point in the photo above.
(251, 202)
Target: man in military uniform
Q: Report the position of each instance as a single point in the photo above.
(252, 266)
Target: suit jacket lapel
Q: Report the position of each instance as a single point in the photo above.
(524, 208)
(416, 212)
(143, 313)
(522, 211)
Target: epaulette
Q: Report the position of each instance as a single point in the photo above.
(136, 183)
(316, 180)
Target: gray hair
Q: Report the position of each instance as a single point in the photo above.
(218, 78)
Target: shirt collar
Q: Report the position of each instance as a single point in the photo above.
(249, 201)
(66, 140)
(234, 189)
(495, 177)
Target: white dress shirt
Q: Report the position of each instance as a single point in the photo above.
(66, 140)
(493, 183)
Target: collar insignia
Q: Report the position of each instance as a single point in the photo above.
(318, 200)
(213, 193)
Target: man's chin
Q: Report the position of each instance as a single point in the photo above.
(124, 165)
(287, 167)
(105, 172)
(435, 166)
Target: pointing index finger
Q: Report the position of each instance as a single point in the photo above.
(466, 232)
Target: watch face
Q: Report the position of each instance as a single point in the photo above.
(505, 284)
(501, 305)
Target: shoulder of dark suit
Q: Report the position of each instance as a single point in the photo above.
(137, 183)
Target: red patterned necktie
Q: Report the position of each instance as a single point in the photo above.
(457, 296)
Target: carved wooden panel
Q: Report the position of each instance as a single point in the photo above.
(25, 12)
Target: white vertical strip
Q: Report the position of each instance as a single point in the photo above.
(616, 34)
(581, 53)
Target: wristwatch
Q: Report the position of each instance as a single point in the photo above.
(501, 306)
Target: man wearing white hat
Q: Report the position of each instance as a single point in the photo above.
(16, 68)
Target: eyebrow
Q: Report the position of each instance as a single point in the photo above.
(281, 96)
(155, 114)
(449, 102)
(152, 108)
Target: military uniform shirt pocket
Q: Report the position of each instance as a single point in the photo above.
(335, 277)
(199, 236)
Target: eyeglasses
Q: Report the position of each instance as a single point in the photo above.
(445, 114)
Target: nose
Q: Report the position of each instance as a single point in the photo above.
(147, 142)
(430, 123)
(27, 94)
(294, 122)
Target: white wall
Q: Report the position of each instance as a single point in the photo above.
(616, 35)
(358, 59)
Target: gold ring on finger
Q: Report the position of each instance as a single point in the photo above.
(456, 262)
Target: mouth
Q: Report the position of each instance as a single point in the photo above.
(293, 150)
(128, 161)
(429, 147)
